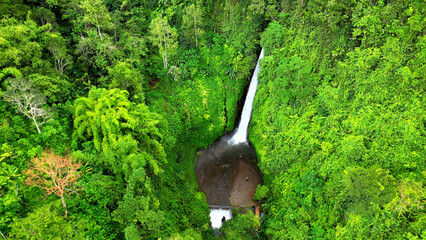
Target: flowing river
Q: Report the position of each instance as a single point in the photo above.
(227, 172)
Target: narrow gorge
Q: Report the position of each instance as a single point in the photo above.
(227, 172)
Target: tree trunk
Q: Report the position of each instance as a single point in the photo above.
(99, 32)
(268, 11)
(196, 33)
(65, 206)
(165, 61)
(196, 37)
(38, 129)
(60, 67)
(165, 48)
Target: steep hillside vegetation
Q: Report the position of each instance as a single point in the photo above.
(103, 105)
(339, 120)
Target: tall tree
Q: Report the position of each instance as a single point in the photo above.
(15, 8)
(164, 37)
(53, 173)
(27, 100)
(103, 117)
(139, 213)
(97, 14)
(125, 76)
(192, 24)
(46, 222)
(56, 45)
(124, 132)
(21, 48)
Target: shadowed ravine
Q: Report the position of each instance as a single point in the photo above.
(227, 172)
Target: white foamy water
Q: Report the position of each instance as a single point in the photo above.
(240, 135)
(216, 215)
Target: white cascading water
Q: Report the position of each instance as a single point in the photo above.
(217, 214)
(240, 134)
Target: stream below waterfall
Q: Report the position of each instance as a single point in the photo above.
(227, 172)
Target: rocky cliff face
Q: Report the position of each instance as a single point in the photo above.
(228, 174)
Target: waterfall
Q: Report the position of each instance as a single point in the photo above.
(240, 134)
(217, 215)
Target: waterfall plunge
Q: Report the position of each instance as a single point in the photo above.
(216, 215)
(240, 134)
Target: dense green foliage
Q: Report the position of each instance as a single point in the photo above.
(131, 89)
(339, 120)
